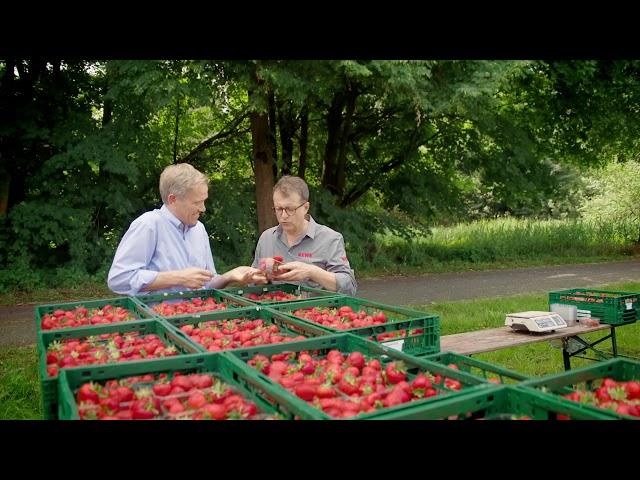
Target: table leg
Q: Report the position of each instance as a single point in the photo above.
(565, 355)
(614, 343)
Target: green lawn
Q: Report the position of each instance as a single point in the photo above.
(20, 385)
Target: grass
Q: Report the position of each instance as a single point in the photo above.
(498, 243)
(20, 384)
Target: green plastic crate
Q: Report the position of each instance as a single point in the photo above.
(347, 343)
(48, 385)
(398, 318)
(483, 370)
(220, 366)
(301, 292)
(149, 301)
(614, 308)
(125, 302)
(500, 402)
(619, 369)
(286, 324)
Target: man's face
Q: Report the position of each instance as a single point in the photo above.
(294, 222)
(189, 207)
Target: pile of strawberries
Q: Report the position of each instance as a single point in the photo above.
(620, 396)
(216, 335)
(345, 318)
(186, 307)
(182, 397)
(275, 296)
(105, 348)
(82, 316)
(345, 385)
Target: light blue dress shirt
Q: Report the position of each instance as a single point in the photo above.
(158, 242)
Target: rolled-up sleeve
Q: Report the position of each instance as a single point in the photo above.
(338, 264)
(129, 272)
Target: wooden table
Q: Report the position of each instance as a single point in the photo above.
(488, 340)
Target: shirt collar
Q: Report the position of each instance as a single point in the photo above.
(168, 214)
(311, 229)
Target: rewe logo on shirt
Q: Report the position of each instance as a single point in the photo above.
(305, 254)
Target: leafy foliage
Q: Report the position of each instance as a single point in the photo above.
(389, 148)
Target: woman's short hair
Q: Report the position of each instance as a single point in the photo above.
(179, 179)
(290, 184)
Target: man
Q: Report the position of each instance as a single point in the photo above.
(312, 254)
(167, 249)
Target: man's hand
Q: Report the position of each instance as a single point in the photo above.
(297, 271)
(270, 265)
(194, 277)
(246, 275)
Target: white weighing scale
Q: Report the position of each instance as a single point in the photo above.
(535, 321)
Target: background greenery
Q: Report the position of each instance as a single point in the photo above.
(413, 161)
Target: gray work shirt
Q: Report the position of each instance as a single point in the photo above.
(320, 245)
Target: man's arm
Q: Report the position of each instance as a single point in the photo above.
(240, 275)
(129, 273)
(189, 277)
(337, 277)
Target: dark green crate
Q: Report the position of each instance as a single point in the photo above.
(619, 369)
(125, 302)
(219, 365)
(48, 385)
(398, 318)
(150, 300)
(286, 324)
(347, 343)
(499, 402)
(614, 308)
(486, 371)
(301, 292)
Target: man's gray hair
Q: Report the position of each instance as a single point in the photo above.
(179, 179)
(290, 184)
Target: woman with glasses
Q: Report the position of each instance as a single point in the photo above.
(312, 254)
(168, 249)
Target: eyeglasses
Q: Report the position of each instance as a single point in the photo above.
(290, 211)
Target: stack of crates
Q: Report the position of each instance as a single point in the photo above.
(140, 323)
(613, 308)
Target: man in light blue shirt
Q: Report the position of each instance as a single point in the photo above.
(167, 249)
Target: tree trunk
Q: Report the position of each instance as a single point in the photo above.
(272, 131)
(334, 124)
(287, 124)
(304, 140)
(344, 136)
(263, 168)
(5, 181)
(175, 134)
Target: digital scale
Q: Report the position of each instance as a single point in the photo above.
(535, 321)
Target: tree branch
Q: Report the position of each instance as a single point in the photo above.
(358, 190)
(231, 128)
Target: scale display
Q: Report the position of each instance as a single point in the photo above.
(534, 321)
